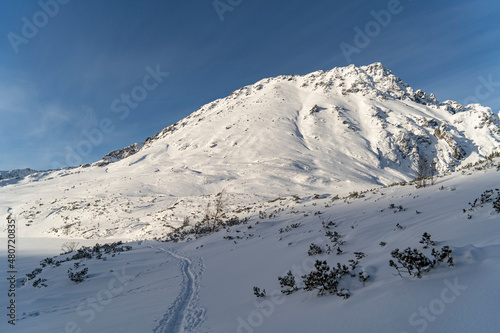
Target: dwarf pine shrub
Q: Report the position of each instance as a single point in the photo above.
(258, 293)
(76, 276)
(326, 280)
(314, 250)
(287, 283)
(426, 240)
(411, 260)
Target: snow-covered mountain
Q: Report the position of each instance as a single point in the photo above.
(331, 132)
(293, 133)
(288, 171)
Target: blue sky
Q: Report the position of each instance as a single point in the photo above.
(67, 66)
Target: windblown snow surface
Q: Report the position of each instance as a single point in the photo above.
(298, 157)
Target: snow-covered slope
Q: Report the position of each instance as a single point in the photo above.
(323, 133)
(205, 284)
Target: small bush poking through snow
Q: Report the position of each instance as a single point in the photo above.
(359, 255)
(354, 195)
(328, 225)
(314, 109)
(201, 229)
(415, 262)
(289, 228)
(426, 240)
(258, 293)
(496, 204)
(363, 276)
(85, 252)
(287, 283)
(400, 227)
(335, 238)
(314, 250)
(39, 283)
(32, 276)
(486, 197)
(441, 255)
(326, 280)
(76, 276)
(399, 208)
(336, 197)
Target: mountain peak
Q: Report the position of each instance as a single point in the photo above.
(349, 125)
(375, 68)
(323, 130)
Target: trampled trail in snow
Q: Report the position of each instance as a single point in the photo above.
(184, 315)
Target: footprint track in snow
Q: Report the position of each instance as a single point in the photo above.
(184, 314)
